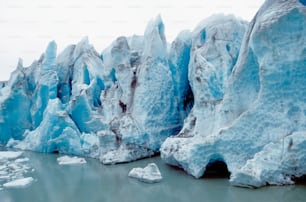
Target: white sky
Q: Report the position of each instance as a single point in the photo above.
(26, 26)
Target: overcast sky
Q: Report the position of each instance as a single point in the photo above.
(26, 26)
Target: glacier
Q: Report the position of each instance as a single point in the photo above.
(228, 91)
(261, 115)
(117, 106)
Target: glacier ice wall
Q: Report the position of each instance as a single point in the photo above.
(117, 106)
(278, 163)
(151, 90)
(228, 91)
(263, 106)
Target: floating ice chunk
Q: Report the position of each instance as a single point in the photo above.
(10, 154)
(148, 174)
(4, 177)
(15, 167)
(67, 160)
(19, 183)
(21, 160)
(12, 170)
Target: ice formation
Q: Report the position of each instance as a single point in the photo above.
(228, 91)
(261, 116)
(148, 174)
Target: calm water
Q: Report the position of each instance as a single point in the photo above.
(95, 182)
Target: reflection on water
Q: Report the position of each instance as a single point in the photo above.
(95, 182)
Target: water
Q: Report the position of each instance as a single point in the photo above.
(95, 182)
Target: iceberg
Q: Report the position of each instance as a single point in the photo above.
(261, 115)
(148, 174)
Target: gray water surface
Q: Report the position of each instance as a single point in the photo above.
(93, 182)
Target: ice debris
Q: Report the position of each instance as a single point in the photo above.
(68, 160)
(19, 183)
(13, 168)
(9, 155)
(148, 174)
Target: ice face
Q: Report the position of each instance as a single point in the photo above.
(215, 48)
(228, 90)
(63, 136)
(14, 100)
(278, 163)
(179, 57)
(118, 106)
(146, 104)
(156, 113)
(264, 103)
(303, 2)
